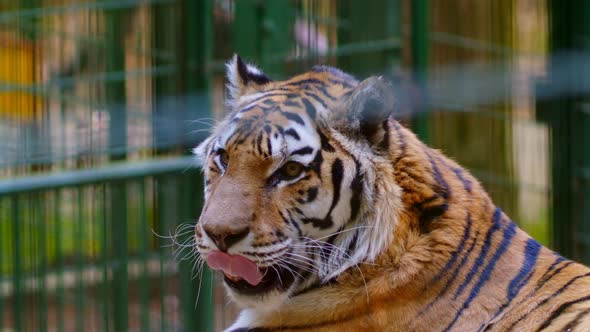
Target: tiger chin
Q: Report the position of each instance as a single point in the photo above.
(326, 214)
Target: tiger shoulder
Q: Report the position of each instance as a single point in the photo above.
(326, 214)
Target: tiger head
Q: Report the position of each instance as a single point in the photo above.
(290, 182)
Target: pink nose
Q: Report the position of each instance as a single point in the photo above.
(226, 238)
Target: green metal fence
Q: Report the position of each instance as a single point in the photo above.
(101, 102)
(71, 260)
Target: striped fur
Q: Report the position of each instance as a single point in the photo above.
(380, 232)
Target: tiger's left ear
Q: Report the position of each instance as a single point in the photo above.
(367, 108)
(242, 77)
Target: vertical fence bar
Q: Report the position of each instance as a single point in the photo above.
(42, 245)
(104, 258)
(115, 98)
(581, 137)
(562, 30)
(17, 267)
(199, 53)
(161, 224)
(3, 251)
(420, 56)
(393, 28)
(165, 40)
(277, 36)
(144, 233)
(59, 263)
(246, 28)
(30, 254)
(78, 233)
(120, 285)
(379, 27)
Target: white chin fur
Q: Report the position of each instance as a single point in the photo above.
(268, 302)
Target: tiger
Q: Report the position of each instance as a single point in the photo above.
(325, 213)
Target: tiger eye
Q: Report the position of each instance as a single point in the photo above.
(224, 157)
(291, 170)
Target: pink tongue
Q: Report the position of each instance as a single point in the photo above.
(235, 265)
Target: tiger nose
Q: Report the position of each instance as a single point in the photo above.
(225, 238)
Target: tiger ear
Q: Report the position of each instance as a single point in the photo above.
(367, 108)
(242, 76)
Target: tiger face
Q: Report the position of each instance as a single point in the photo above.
(288, 177)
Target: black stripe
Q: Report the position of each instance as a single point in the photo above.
(454, 275)
(293, 103)
(257, 78)
(293, 117)
(269, 145)
(455, 254)
(245, 110)
(252, 329)
(401, 141)
(316, 98)
(550, 273)
(343, 83)
(356, 186)
(427, 215)
(446, 191)
(312, 193)
(482, 254)
(259, 143)
(285, 220)
(531, 253)
(293, 222)
(280, 130)
(509, 232)
(325, 92)
(291, 132)
(304, 81)
(562, 289)
(309, 108)
(316, 164)
(460, 175)
(574, 322)
(548, 298)
(353, 243)
(384, 145)
(303, 151)
(326, 146)
(337, 175)
(561, 309)
(270, 95)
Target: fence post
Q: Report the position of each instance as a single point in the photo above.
(567, 116)
(420, 56)
(384, 25)
(246, 29)
(17, 309)
(115, 99)
(197, 312)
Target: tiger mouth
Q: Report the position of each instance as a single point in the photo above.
(275, 277)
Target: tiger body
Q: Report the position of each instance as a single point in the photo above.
(359, 226)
